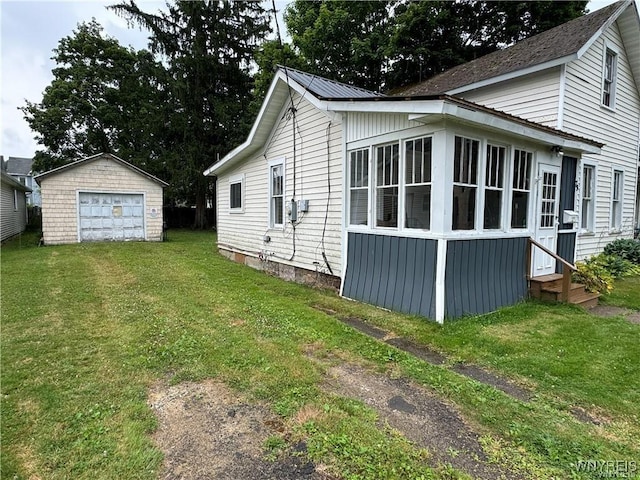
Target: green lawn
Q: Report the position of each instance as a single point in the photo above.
(86, 329)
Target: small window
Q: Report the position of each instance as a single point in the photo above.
(387, 167)
(15, 199)
(493, 187)
(276, 187)
(465, 183)
(359, 187)
(521, 188)
(588, 199)
(417, 197)
(609, 78)
(236, 192)
(616, 201)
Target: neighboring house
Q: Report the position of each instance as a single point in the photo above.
(423, 205)
(100, 198)
(13, 207)
(582, 77)
(20, 169)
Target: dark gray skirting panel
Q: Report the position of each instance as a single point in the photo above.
(397, 273)
(484, 274)
(566, 248)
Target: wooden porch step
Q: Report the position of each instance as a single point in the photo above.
(549, 288)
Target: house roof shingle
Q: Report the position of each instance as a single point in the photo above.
(554, 44)
(19, 165)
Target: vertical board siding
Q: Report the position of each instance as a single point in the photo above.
(568, 188)
(566, 248)
(483, 275)
(397, 273)
(363, 125)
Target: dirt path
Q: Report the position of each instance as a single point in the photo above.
(420, 416)
(207, 432)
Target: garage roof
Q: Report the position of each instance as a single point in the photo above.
(98, 156)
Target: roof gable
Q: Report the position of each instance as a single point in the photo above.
(93, 158)
(553, 47)
(19, 165)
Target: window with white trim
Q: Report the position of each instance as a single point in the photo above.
(15, 199)
(236, 194)
(609, 78)
(276, 194)
(616, 200)
(465, 183)
(417, 195)
(359, 187)
(521, 188)
(588, 198)
(386, 192)
(494, 186)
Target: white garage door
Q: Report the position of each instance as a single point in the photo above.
(111, 216)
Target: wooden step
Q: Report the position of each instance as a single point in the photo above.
(549, 288)
(536, 284)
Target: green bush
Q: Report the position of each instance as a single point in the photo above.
(594, 276)
(626, 248)
(617, 266)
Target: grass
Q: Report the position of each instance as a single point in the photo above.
(87, 329)
(625, 294)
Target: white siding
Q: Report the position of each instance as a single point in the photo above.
(534, 97)
(617, 129)
(244, 232)
(13, 221)
(364, 125)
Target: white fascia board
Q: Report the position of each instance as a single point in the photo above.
(493, 121)
(610, 21)
(515, 74)
(278, 87)
(410, 107)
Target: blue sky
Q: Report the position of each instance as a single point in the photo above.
(30, 30)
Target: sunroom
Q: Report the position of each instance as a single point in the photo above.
(439, 206)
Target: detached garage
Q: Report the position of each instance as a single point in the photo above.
(100, 198)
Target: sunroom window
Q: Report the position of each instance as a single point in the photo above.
(465, 183)
(359, 187)
(521, 188)
(417, 197)
(387, 167)
(494, 186)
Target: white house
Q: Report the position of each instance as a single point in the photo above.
(582, 77)
(423, 205)
(20, 168)
(13, 206)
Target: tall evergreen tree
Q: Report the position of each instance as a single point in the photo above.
(208, 47)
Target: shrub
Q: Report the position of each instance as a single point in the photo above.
(617, 266)
(594, 276)
(626, 248)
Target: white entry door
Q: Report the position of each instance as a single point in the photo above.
(546, 219)
(111, 216)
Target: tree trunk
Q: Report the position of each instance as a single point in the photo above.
(200, 221)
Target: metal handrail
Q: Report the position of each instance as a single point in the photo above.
(567, 267)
